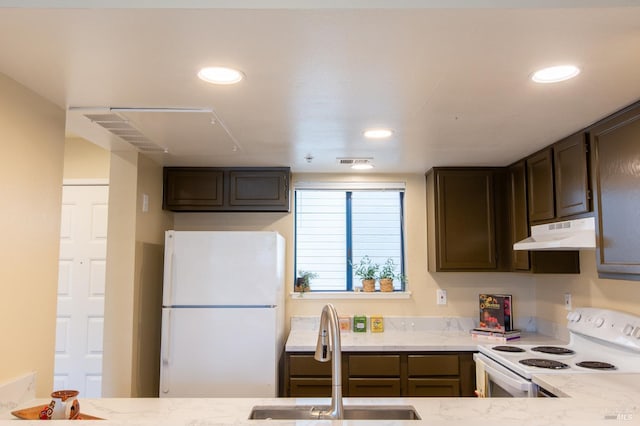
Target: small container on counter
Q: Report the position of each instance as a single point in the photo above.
(377, 324)
(359, 323)
(345, 323)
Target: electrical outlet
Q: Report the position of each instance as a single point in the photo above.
(441, 297)
(567, 301)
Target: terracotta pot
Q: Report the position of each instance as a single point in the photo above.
(386, 284)
(301, 286)
(369, 285)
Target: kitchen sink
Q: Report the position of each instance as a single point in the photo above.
(351, 412)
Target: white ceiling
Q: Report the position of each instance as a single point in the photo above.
(453, 83)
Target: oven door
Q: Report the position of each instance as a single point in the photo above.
(496, 381)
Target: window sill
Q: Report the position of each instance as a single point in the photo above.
(351, 295)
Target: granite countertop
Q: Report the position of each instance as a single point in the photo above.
(406, 334)
(595, 399)
(415, 341)
(584, 399)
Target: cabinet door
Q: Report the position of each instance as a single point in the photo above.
(465, 220)
(518, 214)
(571, 176)
(540, 186)
(193, 189)
(616, 182)
(259, 190)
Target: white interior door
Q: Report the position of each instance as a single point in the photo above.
(81, 286)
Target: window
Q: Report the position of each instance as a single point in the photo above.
(337, 227)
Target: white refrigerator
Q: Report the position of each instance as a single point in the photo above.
(222, 314)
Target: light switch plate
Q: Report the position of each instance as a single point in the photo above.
(441, 296)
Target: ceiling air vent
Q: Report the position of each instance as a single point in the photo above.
(354, 161)
(120, 127)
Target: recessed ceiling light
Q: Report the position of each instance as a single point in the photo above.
(220, 75)
(362, 166)
(377, 133)
(555, 74)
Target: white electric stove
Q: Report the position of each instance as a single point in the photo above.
(601, 341)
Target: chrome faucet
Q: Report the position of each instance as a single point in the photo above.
(329, 348)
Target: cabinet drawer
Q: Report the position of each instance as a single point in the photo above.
(306, 365)
(374, 365)
(434, 387)
(314, 387)
(433, 365)
(374, 387)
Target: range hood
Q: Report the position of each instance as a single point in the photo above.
(568, 235)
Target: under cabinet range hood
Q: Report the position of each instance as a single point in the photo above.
(568, 235)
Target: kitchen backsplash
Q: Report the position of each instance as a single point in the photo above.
(17, 391)
(398, 323)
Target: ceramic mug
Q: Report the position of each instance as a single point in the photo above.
(64, 405)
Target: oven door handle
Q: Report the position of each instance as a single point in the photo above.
(522, 385)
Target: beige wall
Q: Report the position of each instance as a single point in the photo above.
(586, 289)
(119, 292)
(462, 288)
(85, 160)
(149, 266)
(134, 276)
(32, 138)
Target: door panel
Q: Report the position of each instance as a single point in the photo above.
(81, 287)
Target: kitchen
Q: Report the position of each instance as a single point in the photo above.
(538, 296)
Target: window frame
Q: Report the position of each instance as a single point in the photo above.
(348, 189)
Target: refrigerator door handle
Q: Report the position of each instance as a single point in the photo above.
(167, 294)
(166, 344)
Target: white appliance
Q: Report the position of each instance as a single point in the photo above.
(567, 235)
(223, 314)
(600, 341)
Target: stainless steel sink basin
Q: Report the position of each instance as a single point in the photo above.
(351, 412)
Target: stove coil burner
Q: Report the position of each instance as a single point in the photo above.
(507, 349)
(596, 365)
(553, 350)
(544, 363)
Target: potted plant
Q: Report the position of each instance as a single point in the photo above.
(388, 274)
(302, 282)
(367, 271)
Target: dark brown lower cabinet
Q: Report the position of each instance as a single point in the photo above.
(310, 386)
(383, 374)
(434, 387)
(374, 387)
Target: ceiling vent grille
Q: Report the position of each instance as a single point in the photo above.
(120, 127)
(354, 161)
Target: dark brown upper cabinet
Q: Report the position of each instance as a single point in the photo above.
(518, 214)
(571, 176)
(255, 189)
(461, 219)
(615, 158)
(538, 262)
(193, 188)
(214, 189)
(558, 181)
(540, 186)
